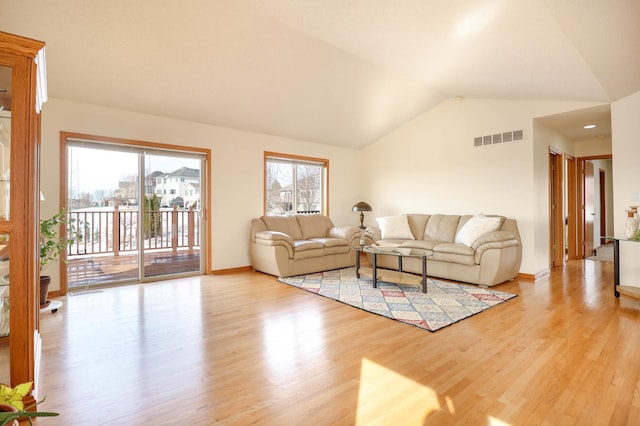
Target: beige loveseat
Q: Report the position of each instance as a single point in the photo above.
(479, 249)
(301, 244)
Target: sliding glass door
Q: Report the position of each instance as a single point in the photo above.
(171, 215)
(139, 209)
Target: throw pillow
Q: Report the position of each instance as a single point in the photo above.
(475, 227)
(395, 227)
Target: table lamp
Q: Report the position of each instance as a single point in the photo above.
(361, 207)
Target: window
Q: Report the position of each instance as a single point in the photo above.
(295, 184)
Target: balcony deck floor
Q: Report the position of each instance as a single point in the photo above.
(87, 270)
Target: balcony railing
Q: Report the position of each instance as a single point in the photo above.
(116, 230)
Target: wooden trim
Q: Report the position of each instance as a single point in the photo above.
(530, 277)
(556, 208)
(20, 46)
(603, 205)
(230, 271)
(63, 203)
(271, 154)
(572, 207)
(134, 142)
(596, 157)
(206, 178)
(55, 293)
(580, 254)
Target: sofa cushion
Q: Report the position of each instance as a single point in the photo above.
(475, 227)
(441, 227)
(394, 227)
(455, 253)
(417, 223)
(332, 242)
(302, 245)
(286, 224)
(314, 225)
(420, 244)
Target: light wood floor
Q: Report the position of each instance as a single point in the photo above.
(244, 349)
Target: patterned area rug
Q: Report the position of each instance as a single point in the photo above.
(444, 303)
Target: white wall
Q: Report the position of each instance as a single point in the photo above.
(237, 168)
(430, 165)
(625, 122)
(427, 165)
(592, 147)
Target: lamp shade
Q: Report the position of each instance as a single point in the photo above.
(361, 207)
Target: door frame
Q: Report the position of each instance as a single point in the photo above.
(580, 200)
(572, 207)
(556, 208)
(602, 196)
(206, 222)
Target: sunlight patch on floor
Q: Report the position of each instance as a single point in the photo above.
(386, 397)
(496, 422)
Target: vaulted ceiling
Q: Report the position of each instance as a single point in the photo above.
(330, 71)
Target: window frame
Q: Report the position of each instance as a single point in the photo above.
(294, 160)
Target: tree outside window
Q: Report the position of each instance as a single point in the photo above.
(294, 185)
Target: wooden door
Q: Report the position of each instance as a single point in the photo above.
(556, 235)
(573, 203)
(588, 209)
(603, 207)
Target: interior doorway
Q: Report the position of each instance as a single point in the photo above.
(596, 187)
(139, 206)
(556, 205)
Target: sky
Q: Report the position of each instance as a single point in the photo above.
(92, 169)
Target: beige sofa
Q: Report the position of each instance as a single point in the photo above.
(479, 249)
(301, 244)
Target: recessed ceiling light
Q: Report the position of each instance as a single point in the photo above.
(590, 126)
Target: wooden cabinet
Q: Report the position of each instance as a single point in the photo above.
(22, 91)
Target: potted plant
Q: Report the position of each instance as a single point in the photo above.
(52, 245)
(11, 405)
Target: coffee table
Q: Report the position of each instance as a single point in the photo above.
(400, 253)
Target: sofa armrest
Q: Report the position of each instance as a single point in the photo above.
(348, 233)
(493, 240)
(493, 237)
(374, 233)
(275, 238)
(266, 236)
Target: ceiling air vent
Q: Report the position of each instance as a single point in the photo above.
(513, 136)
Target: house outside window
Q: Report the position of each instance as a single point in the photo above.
(295, 184)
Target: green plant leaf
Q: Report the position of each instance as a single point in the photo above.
(13, 396)
(7, 417)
